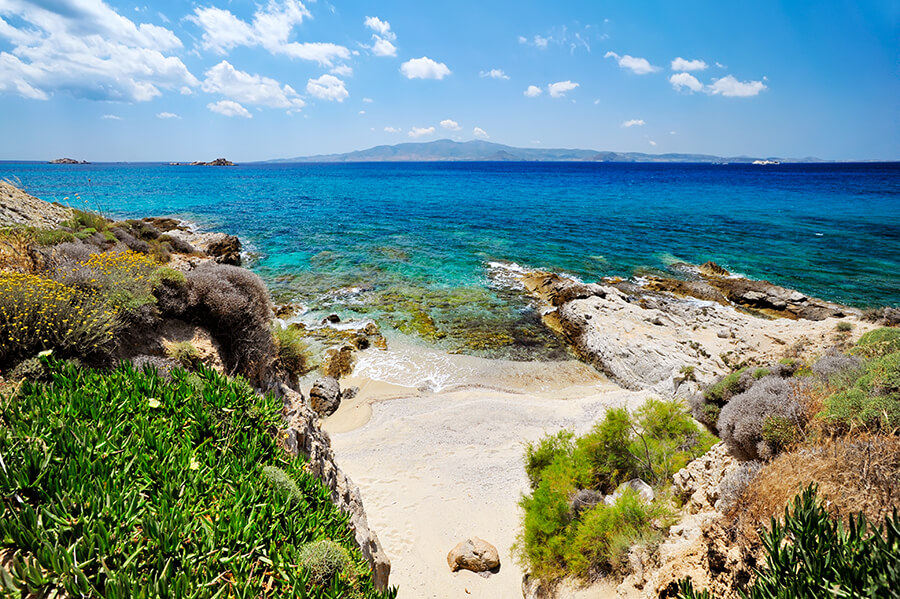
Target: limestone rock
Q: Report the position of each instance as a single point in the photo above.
(303, 436)
(225, 249)
(19, 208)
(473, 554)
(338, 362)
(699, 481)
(325, 396)
(643, 490)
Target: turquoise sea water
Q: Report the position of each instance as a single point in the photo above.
(412, 244)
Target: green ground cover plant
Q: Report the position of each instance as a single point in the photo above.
(567, 527)
(122, 484)
(809, 554)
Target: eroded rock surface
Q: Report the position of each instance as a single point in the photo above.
(325, 396)
(18, 208)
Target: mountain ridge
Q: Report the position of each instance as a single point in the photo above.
(484, 151)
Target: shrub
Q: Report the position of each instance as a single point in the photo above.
(872, 401)
(707, 407)
(178, 244)
(233, 304)
(878, 343)
(33, 369)
(569, 477)
(732, 486)
(324, 560)
(39, 314)
(120, 485)
(184, 353)
(285, 485)
(541, 454)
(293, 351)
(83, 219)
(836, 367)
(844, 327)
(742, 419)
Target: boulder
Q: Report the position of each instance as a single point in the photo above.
(325, 396)
(473, 554)
(644, 491)
(225, 249)
(338, 362)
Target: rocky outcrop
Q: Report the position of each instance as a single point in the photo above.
(670, 335)
(68, 161)
(222, 248)
(216, 162)
(699, 482)
(304, 437)
(17, 208)
(473, 554)
(325, 396)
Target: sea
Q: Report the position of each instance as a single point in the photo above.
(428, 249)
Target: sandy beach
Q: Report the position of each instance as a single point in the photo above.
(437, 465)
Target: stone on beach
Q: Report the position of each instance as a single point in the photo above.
(473, 554)
(325, 396)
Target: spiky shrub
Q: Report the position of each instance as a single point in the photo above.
(119, 484)
(324, 560)
(38, 314)
(771, 402)
(234, 305)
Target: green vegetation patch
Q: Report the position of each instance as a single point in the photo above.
(567, 527)
(878, 343)
(811, 555)
(120, 484)
(871, 401)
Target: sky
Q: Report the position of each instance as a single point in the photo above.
(184, 81)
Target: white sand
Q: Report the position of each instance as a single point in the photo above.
(437, 467)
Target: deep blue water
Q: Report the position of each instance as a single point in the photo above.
(421, 234)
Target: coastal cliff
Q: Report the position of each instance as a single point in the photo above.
(176, 326)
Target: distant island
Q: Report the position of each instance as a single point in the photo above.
(449, 150)
(216, 162)
(68, 161)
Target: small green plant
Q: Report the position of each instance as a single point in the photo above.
(184, 352)
(844, 327)
(285, 485)
(761, 372)
(688, 373)
(324, 560)
(293, 351)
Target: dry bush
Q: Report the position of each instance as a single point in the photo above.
(836, 366)
(853, 474)
(234, 305)
(744, 420)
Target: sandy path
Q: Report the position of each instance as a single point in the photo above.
(435, 468)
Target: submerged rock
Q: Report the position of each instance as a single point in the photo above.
(473, 554)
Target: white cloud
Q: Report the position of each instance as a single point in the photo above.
(342, 70)
(243, 87)
(368, 100)
(88, 50)
(167, 115)
(480, 133)
(559, 89)
(681, 64)
(639, 66)
(327, 87)
(634, 123)
(450, 124)
(382, 28)
(562, 37)
(731, 87)
(185, 91)
(424, 68)
(533, 91)
(421, 131)
(682, 80)
(494, 74)
(362, 112)
(652, 143)
(541, 42)
(392, 130)
(229, 108)
(111, 117)
(383, 47)
(271, 28)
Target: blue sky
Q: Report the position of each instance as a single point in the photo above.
(107, 81)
